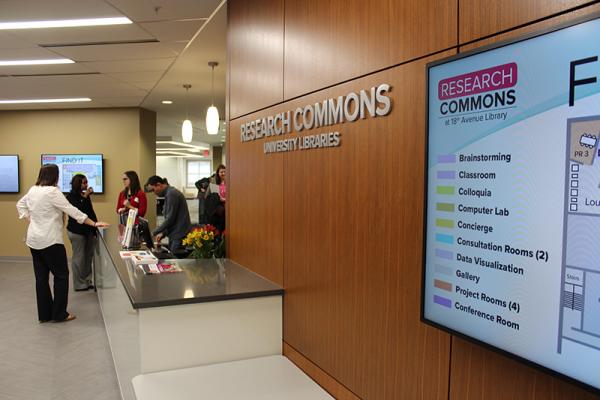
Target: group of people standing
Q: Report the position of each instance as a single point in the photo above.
(44, 206)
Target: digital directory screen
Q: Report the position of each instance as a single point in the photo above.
(9, 174)
(512, 227)
(69, 165)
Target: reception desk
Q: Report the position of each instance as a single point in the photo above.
(214, 311)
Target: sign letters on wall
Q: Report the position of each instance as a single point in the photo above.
(349, 108)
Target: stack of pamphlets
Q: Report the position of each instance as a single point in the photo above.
(148, 263)
(160, 268)
(139, 257)
(169, 267)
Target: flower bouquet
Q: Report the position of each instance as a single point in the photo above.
(204, 241)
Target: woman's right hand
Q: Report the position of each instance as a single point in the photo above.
(121, 210)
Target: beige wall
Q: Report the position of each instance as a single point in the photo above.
(126, 138)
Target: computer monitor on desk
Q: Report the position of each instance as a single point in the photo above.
(144, 231)
(146, 237)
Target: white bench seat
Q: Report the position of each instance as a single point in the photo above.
(264, 378)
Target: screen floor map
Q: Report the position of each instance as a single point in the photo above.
(580, 313)
(70, 165)
(512, 231)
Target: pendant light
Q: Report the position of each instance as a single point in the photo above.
(187, 132)
(212, 114)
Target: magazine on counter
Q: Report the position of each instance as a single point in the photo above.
(149, 269)
(160, 268)
(169, 267)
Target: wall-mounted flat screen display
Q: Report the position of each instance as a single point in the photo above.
(9, 174)
(69, 165)
(512, 229)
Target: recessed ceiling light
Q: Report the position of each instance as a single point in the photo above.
(176, 153)
(167, 102)
(37, 62)
(65, 23)
(26, 101)
(186, 145)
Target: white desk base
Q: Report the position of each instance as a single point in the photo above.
(206, 333)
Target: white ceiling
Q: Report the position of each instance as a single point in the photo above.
(141, 64)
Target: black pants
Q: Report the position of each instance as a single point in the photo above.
(51, 259)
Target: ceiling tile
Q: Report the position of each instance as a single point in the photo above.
(177, 47)
(8, 41)
(116, 52)
(158, 10)
(95, 34)
(127, 101)
(66, 86)
(171, 31)
(157, 64)
(134, 77)
(192, 67)
(31, 53)
(144, 85)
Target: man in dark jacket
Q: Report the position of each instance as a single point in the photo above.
(177, 222)
(202, 186)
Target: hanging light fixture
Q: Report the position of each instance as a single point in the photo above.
(187, 132)
(212, 114)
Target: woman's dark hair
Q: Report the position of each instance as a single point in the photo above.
(76, 183)
(217, 177)
(134, 183)
(48, 175)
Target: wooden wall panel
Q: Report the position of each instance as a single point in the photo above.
(478, 373)
(546, 24)
(326, 381)
(341, 228)
(352, 249)
(255, 38)
(255, 209)
(327, 42)
(479, 18)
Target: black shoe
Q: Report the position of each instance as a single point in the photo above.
(70, 317)
(42, 321)
(91, 287)
(82, 290)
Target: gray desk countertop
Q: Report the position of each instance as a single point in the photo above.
(201, 280)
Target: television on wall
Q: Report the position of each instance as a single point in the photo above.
(9, 173)
(90, 165)
(512, 224)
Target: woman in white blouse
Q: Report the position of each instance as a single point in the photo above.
(43, 206)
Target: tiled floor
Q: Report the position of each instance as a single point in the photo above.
(66, 361)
